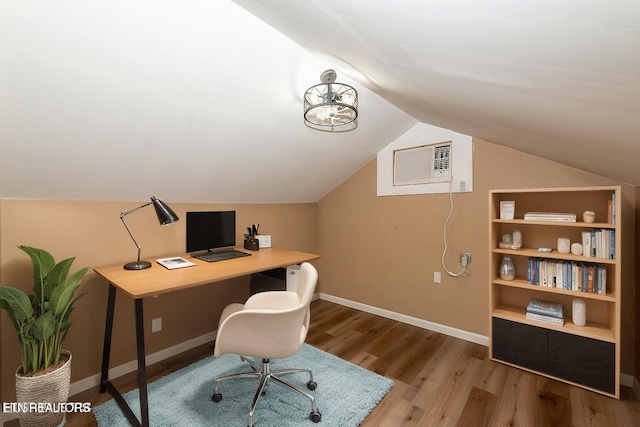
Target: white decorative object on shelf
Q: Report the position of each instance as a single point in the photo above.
(576, 248)
(506, 242)
(564, 245)
(517, 240)
(589, 216)
(579, 312)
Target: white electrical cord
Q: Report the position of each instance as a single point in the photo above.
(464, 271)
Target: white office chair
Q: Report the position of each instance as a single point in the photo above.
(270, 325)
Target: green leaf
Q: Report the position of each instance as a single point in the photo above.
(6, 307)
(17, 302)
(75, 277)
(56, 276)
(45, 326)
(42, 262)
(61, 297)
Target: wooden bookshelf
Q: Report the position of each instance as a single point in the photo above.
(557, 351)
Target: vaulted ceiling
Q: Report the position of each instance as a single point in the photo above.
(202, 100)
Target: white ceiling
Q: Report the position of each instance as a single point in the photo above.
(201, 101)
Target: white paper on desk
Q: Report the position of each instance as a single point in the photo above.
(174, 262)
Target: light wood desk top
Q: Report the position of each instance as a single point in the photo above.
(159, 280)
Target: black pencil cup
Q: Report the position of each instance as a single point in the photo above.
(251, 244)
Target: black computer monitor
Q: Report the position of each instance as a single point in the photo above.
(211, 230)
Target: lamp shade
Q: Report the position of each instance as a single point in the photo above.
(331, 106)
(165, 215)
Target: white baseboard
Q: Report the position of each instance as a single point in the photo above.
(421, 323)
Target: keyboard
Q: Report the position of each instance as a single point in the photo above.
(221, 256)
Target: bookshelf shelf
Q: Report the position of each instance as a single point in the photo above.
(529, 252)
(590, 330)
(604, 225)
(522, 283)
(513, 337)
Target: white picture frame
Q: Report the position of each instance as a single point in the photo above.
(507, 209)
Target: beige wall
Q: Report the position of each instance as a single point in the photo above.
(93, 232)
(383, 251)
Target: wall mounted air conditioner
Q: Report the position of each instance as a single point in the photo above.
(424, 164)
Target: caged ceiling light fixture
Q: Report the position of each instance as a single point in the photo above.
(331, 106)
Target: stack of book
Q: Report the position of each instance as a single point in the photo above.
(550, 216)
(548, 312)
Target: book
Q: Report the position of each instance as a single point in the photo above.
(602, 280)
(545, 308)
(558, 315)
(174, 262)
(550, 216)
(546, 319)
(586, 244)
(590, 271)
(613, 209)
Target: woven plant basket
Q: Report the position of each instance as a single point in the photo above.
(52, 387)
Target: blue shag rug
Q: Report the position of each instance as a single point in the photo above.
(345, 395)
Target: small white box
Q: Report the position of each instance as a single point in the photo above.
(264, 240)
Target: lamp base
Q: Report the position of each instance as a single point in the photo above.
(137, 265)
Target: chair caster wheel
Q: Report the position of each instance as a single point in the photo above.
(312, 385)
(217, 397)
(315, 417)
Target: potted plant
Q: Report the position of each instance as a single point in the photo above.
(42, 323)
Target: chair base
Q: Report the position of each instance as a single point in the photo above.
(265, 376)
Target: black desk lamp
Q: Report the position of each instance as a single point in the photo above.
(165, 215)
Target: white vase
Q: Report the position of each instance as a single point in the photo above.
(564, 245)
(52, 387)
(579, 312)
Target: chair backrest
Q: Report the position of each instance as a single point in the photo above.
(307, 279)
(267, 332)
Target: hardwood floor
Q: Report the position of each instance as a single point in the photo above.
(439, 380)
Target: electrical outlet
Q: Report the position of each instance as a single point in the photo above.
(465, 256)
(156, 325)
(437, 277)
(463, 186)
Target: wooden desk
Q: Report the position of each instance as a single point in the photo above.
(157, 280)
